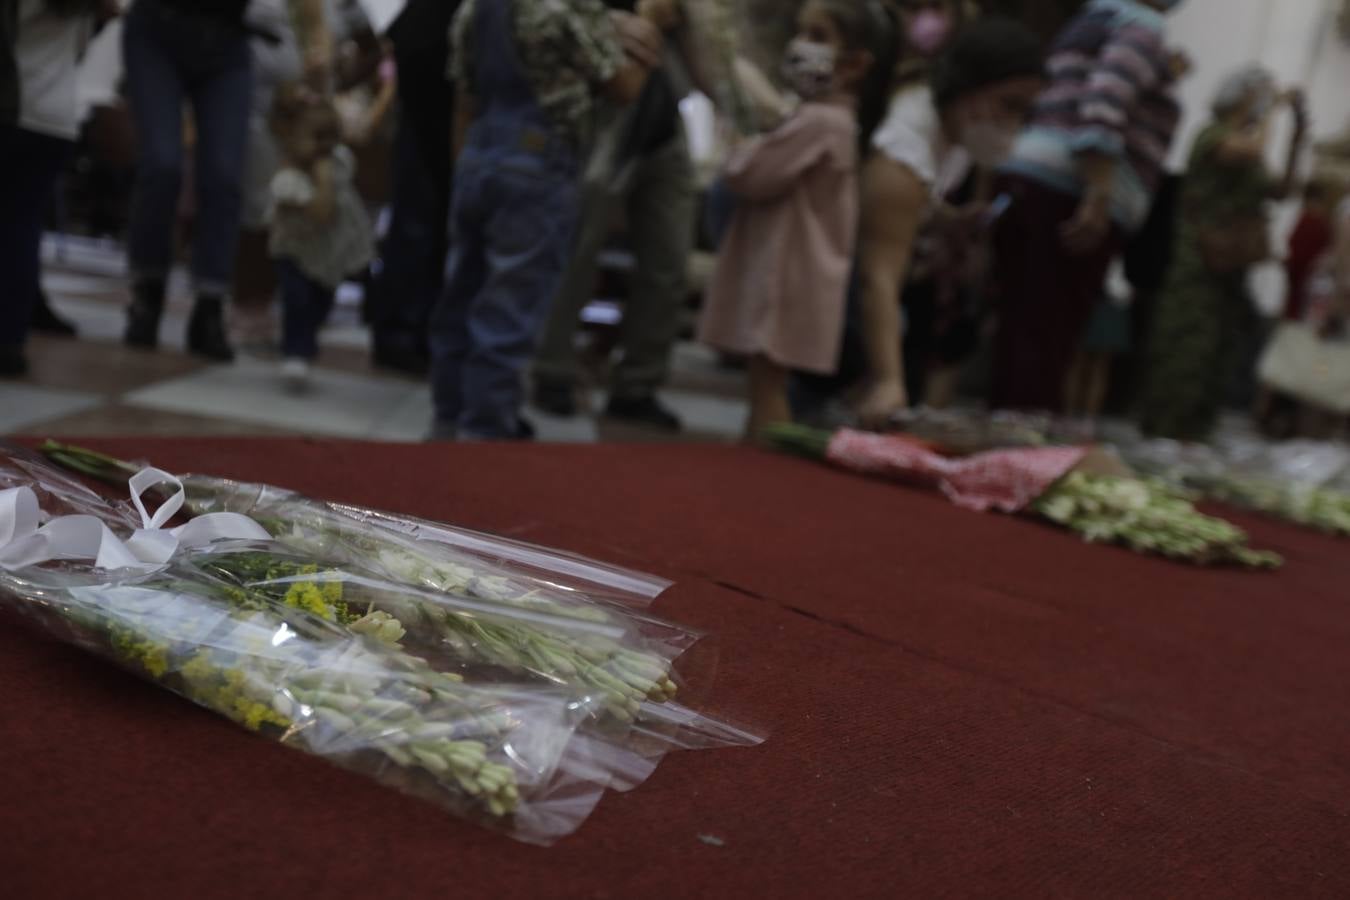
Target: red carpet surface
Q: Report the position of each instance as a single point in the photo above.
(957, 704)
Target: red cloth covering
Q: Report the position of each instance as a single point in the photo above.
(1310, 239)
(1005, 480)
(957, 705)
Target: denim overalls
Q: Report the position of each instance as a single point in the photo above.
(512, 219)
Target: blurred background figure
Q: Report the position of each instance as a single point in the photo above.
(412, 254)
(778, 294)
(179, 53)
(276, 60)
(640, 161)
(39, 121)
(1310, 241)
(1080, 180)
(942, 137)
(529, 75)
(1307, 360)
(320, 231)
(1207, 329)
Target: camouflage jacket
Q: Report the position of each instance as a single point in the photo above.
(569, 49)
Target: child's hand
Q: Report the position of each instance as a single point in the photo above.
(641, 40)
(664, 14)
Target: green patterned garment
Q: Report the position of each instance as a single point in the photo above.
(568, 48)
(1205, 320)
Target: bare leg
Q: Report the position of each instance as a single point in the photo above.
(941, 388)
(768, 396)
(1098, 381)
(1075, 387)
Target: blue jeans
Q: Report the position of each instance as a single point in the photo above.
(305, 305)
(30, 164)
(171, 58)
(513, 215)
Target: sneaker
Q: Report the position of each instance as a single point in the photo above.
(557, 398)
(295, 372)
(13, 364)
(646, 411)
(44, 319)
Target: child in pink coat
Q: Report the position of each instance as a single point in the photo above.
(778, 292)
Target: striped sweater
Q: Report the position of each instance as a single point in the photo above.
(1110, 92)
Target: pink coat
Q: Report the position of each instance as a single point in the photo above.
(780, 283)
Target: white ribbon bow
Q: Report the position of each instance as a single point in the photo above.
(23, 543)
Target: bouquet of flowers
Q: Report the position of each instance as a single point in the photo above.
(511, 684)
(1302, 482)
(1072, 487)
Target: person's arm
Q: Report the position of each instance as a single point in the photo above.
(1289, 182)
(894, 203)
(1091, 222)
(643, 45)
(316, 39)
(379, 108)
(1130, 63)
(1247, 147)
(768, 166)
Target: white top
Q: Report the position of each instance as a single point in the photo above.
(912, 135)
(327, 252)
(47, 52)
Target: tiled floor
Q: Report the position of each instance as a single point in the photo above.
(94, 385)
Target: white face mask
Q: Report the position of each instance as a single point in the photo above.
(808, 68)
(989, 144)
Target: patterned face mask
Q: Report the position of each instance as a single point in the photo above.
(808, 68)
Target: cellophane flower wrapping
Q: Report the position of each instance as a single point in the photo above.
(508, 683)
(1304, 482)
(1082, 489)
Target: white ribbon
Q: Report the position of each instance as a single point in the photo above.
(23, 543)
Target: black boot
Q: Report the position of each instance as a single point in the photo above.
(12, 361)
(645, 410)
(147, 305)
(206, 329)
(44, 319)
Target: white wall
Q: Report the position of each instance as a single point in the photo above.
(1295, 39)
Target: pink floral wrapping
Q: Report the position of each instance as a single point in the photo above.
(1006, 480)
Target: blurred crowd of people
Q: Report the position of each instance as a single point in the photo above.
(917, 200)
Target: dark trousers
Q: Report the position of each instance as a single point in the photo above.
(30, 164)
(1046, 296)
(172, 58)
(305, 305)
(658, 189)
(412, 258)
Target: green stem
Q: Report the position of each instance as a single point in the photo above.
(812, 443)
(100, 466)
